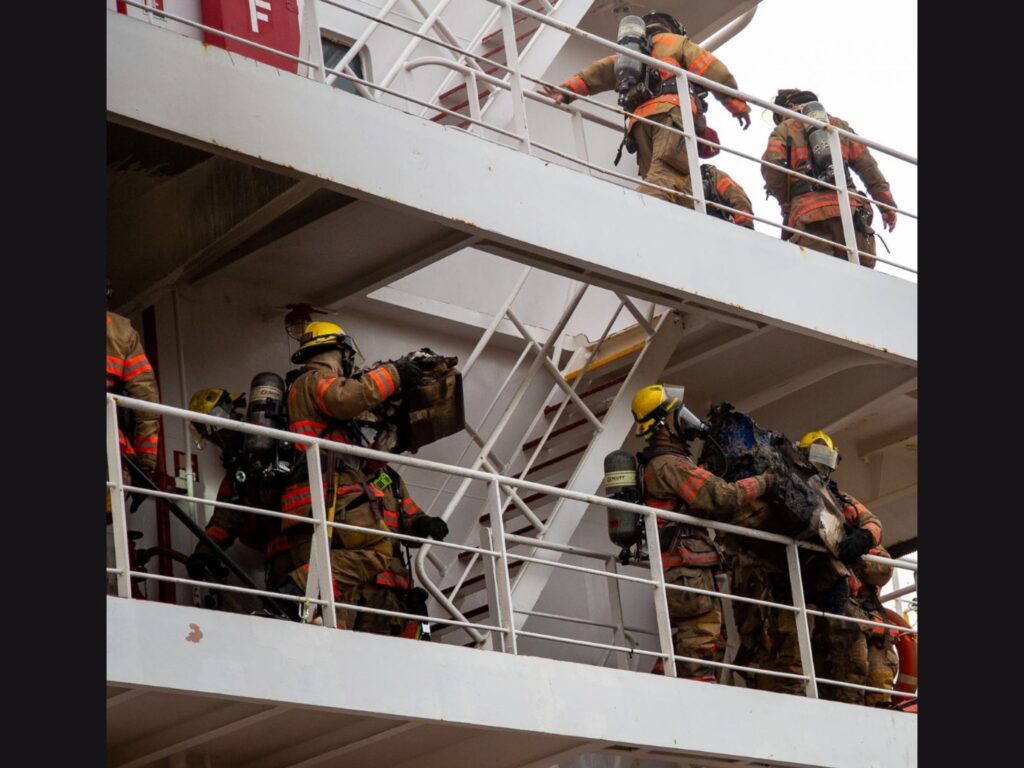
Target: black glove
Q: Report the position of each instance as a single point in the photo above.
(426, 526)
(854, 545)
(409, 374)
(199, 563)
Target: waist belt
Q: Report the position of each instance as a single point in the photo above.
(683, 556)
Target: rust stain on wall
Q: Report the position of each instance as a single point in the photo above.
(195, 635)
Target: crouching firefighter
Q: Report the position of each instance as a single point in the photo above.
(721, 188)
(392, 588)
(323, 400)
(689, 555)
(653, 94)
(261, 490)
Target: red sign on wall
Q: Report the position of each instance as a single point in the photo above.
(158, 5)
(273, 23)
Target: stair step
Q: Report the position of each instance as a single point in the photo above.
(518, 18)
(529, 446)
(477, 582)
(548, 410)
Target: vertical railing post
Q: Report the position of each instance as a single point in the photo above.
(508, 32)
(314, 50)
(803, 628)
(615, 603)
(504, 582)
(665, 639)
(473, 92)
(692, 156)
(320, 577)
(494, 640)
(581, 140)
(845, 214)
(118, 518)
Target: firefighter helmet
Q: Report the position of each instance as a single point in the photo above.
(321, 336)
(819, 450)
(652, 404)
(665, 20)
(791, 98)
(214, 401)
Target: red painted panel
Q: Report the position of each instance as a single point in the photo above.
(273, 23)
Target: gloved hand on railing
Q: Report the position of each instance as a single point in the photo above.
(744, 119)
(889, 219)
(199, 563)
(854, 545)
(426, 526)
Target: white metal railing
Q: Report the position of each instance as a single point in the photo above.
(472, 72)
(495, 547)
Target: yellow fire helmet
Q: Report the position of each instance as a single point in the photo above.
(321, 336)
(652, 404)
(819, 449)
(212, 401)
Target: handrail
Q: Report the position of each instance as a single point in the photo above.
(473, 70)
(498, 555)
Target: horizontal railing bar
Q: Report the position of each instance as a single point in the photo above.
(580, 569)
(588, 622)
(476, 474)
(308, 520)
(312, 601)
(567, 548)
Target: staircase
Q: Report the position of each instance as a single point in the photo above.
(564, 449)
(490, 45)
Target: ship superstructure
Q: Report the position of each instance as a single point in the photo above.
(434, 198)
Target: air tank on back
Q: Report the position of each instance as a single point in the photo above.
(620, 483)
(266, 409)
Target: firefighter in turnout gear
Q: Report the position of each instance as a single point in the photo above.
(815, 209)
(130, 373)
(720, 187)
(866, 581)
(326, 396)
(689, 555)
(258, 532)
(840, 647)
(661, 154)
(392, 588)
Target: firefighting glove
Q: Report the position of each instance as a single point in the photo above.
(426, 526)
(744, 119)
(854, 545)
(409, 374)
(199, 563)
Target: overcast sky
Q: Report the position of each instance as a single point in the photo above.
(861, 61)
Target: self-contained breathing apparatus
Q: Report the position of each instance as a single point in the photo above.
(637, 83)
(707, 175)
(624, 481)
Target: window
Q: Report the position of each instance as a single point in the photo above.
(334, 51)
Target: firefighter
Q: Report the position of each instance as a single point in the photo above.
(815, 210)
(720, 187)
(323, 400)
(661, 155)
(840, 647)
(689, 556)
(392, 588)
(259, 532)
(129, 373)
(866, 581)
